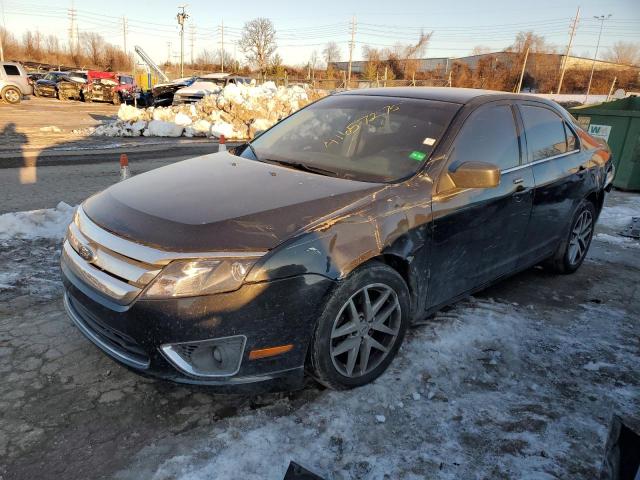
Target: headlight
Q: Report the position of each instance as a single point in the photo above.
(187, 278)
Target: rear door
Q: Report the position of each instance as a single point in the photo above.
(477, 232)
(17, 76)
(559, 170)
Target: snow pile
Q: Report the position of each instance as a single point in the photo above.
(44, 223)
(235, 111)
(51, 129)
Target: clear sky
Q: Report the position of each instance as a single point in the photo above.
(303, 26)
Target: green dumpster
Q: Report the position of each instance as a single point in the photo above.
(617, 122)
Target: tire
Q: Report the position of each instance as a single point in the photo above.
(116, 99)
(35, 92)
(574, 247)
(340, 369)
(11, 95)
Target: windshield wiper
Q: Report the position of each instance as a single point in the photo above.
(304, 167)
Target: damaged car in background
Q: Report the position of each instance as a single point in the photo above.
(163, 93)
(204, 85)
(315, 246)
(98, 86)
(47, 86)
(70, 87)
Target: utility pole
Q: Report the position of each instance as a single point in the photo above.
(73, 29)
(169, 53)
(351, 45)
(192, 40)
(524, 64)
(1, 51)
(222, 45)
(124, 34)
(602, 18)
(563, 67)
(613, 84)
(182, 17)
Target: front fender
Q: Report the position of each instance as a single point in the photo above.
(391, 222)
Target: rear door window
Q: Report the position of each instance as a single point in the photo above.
(545, 132)
(11, 70)
(489, 135)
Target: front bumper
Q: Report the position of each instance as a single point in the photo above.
(186, 99)
(277, 312)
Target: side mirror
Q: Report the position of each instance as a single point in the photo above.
(476, 175)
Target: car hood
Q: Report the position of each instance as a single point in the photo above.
(199, 88)
(220, 202)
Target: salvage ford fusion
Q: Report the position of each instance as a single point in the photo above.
(313, 247)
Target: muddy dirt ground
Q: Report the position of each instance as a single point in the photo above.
(520, 381)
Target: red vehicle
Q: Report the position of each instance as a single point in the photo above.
(109, 87)
(127, 89)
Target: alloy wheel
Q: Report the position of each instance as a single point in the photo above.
(12, 96)
(365, 330)
(580, 236)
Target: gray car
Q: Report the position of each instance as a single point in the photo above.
(14, 82)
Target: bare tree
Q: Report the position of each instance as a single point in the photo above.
(93, 46)
(32, 42)
(535, 44)
(258, 42)
(627, 53)
(413, 52)
(331, 53)
(481, 50)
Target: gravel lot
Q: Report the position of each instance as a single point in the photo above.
(519, 382)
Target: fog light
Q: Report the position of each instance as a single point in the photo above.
(218, 357)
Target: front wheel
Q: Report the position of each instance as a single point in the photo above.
(11, 95)
(361, 328)
(573, 249)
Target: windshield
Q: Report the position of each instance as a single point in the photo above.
(366, 138)
(217, 81)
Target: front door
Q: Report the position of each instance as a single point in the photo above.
(478, 232)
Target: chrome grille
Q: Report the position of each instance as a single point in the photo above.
(116, 267)
(108, 271)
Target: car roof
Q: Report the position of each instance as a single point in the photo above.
(444, 94)
(214, 75)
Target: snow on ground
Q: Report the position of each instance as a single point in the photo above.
(617, 240)
(235, 111)
(44, 223)
(469, 396)
(30, 251)
(618, 216)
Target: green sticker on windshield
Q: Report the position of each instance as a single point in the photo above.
(417, 156)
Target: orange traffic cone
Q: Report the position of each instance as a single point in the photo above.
(124, 166)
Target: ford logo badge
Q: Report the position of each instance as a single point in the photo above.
(86, 253)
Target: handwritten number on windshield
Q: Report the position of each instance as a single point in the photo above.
(355, 126)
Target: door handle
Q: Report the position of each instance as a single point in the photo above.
(518, 181)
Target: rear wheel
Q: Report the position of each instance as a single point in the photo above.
(11, 95)
(573, 249)
(361, 328)
(116, 99)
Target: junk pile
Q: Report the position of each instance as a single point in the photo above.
(235, 111)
